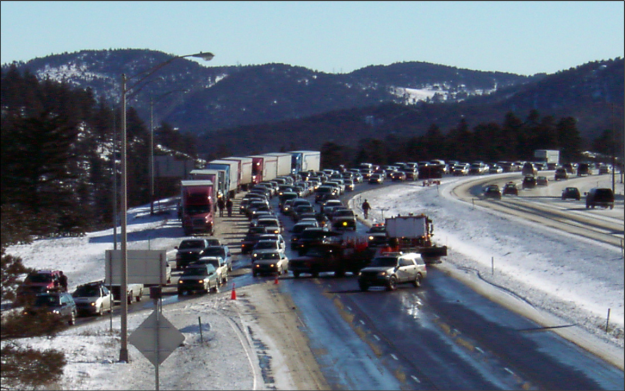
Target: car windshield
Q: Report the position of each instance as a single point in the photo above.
(38, 278)
(383, 261)
(343, 213)
(87, 291)
(191, 244)
(312, 234)
(219, 251)
(265, 245)
(377, 229)
(47, 301)
(197, 209)
(194, 271)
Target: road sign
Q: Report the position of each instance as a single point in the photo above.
(156, 335)
(144, 266)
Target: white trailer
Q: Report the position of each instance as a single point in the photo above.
(232, 172)
(549, 156)
(305, 161)
(245, 170)
(283, 165)
(414, 233)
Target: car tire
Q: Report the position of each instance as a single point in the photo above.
(315, 274)
(417, 281)
(296, 274)
(392, 284)
(363, 287)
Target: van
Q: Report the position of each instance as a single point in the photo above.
(603, 197)
(529, 169)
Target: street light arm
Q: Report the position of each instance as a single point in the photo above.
(150, 72)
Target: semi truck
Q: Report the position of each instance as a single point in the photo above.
(245, 171)
(283, 165)
(549, 156)
(218, 177)
(265, 167)
(305, 161)
(196, 208)
(232, 174)
(413, 233)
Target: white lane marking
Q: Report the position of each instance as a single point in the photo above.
(479, 350)
(362, 321)
(394, 357)
(415, 379)
(376, 337)
(348, 308)
(509, 371)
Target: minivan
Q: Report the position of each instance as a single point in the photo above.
(603, 197)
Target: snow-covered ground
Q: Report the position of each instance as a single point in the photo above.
(578, 280)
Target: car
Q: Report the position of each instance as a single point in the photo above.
(495, 169)
(325, 192)
(542, 181)
(461, 169)
(605, 169)
(398, 176)
(40, 281)
(265, 246)
(376, 179)
(314, 236)
(93, 299)
(391, 269)
(584, 169)
(189, 250)
(220, 265)
(529, 182)
(251, 237)
(297, 230)
(478, 168)
(571, 168)
(411, 174)
(344, 219)
(492, 191)
(510, 189)
(199, 277)
(603, 197)
(272, 224)
(286, 206)
(561, 174)
(349, 184)
(302, 211)
(58, 304)
(270, 262)
(219, 251)
(571, 192)
(529, 169)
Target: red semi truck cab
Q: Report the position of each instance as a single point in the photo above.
(197, 206)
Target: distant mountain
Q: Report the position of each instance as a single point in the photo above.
(266, 107)
(225, 97)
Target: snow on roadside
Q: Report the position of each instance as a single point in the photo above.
(574, 278)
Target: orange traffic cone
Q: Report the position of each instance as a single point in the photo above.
(275, 282)
(233, 296)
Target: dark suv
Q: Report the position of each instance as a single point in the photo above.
(600, 197)
(60, 304)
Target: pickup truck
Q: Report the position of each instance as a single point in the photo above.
(331, 258)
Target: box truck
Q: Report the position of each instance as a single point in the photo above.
(305, 161)
(283, 165)
(232, 174)
(245, 171)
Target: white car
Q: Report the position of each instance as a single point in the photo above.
(267, 245)
(93, 299)
(220, 265)
(270, 262)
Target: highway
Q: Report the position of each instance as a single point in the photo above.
(440, 336)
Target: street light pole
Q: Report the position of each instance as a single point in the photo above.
(123, 353)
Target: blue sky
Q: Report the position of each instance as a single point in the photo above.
(517, 37)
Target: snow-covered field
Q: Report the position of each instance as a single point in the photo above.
(577, 280)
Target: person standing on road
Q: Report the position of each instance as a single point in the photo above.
(63, 281)
(365, 208)
(229, 207)
(221, 205)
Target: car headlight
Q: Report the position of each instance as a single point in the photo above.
(370, 237)
(201, 281)
(359, 274)
(180, 281)
(93, 304)
(257, 265)
(272, 265)
(382, 274)
(255, 255)
(56, 312)
(344, 223)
